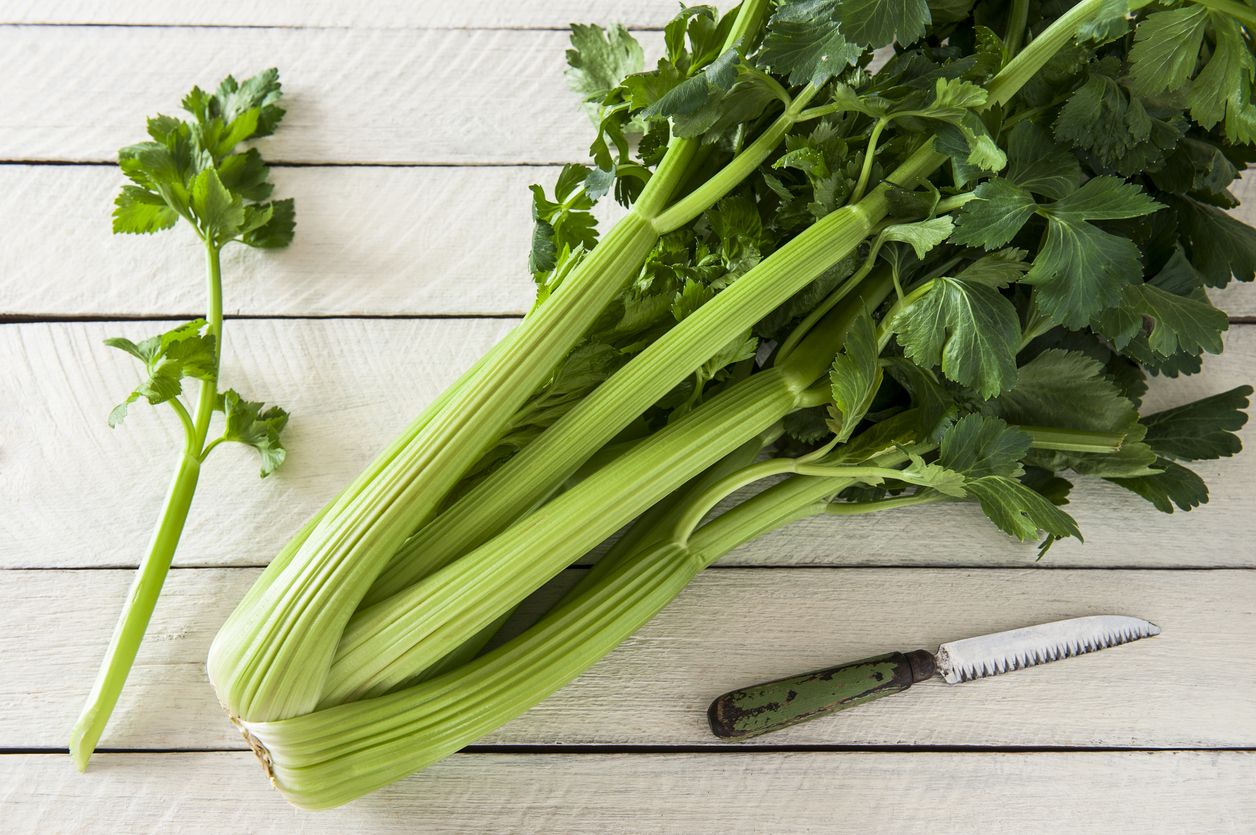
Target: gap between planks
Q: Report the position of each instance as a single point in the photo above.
(719, 566)
(637, 29)
(320, 14)
(35, 319)
(1047, 793)
(548, 750)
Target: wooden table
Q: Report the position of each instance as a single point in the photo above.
(413, 129)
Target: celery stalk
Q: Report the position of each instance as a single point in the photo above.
(272, 656)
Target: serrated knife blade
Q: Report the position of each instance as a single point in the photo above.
(1016, 649)
(751, 711)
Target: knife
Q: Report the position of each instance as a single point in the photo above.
(778, 704)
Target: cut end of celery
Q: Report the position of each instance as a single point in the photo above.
(81, 755)
(83, 739)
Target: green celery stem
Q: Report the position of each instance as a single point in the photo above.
(659, 520)
(329, 757)
(705, 196)
(673, 169)
(136, 613)
(1017, 26)
(1074, 440)
(129, 632)
(271, 657)
(207, 398)
(387, 643)
(779, 392)
(560, 450)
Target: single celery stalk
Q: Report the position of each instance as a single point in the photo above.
(128, 634)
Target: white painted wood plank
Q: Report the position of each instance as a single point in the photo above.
(390, 96)
(349, 391)
(1189, 687)
(386, 241)
(389, 14)
(1048, 793)
(352, 384)
(373, 241)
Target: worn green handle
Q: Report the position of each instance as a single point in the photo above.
(778, 704)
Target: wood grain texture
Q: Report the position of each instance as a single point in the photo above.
(370, 241)
(358, 95)
(352, 384)
(731, 628)
(339, 421)
(390, 241)
(464, 113)
(389, 14)
(1041, 793)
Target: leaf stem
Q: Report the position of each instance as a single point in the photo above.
(955, 201)
(189, 429)
(1037, 324)
(1029, 113)
(675, 165)
(822, 309)
(1017, 26)
(865, 173)
(1026, 63)
(210, 447)
(737, 169)
(1074, 440)
(705, 502)
(821, 110)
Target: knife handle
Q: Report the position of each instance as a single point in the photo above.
(778, 704)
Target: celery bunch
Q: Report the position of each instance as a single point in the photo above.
(940, 279)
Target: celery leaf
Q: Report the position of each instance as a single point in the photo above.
(969, 329)
(805, 41)
(854, 376)
(184, 351)
(256, 425)
(1202, 430)
(1172, 485)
